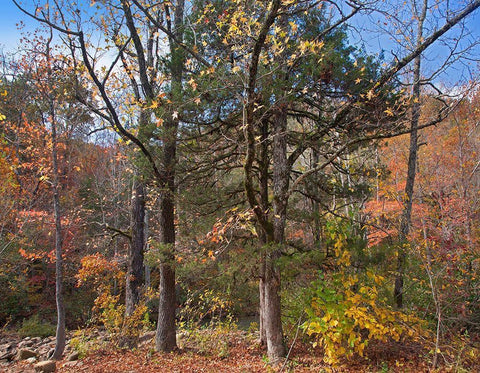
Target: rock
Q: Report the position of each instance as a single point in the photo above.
(25, 343)
(47, 366)
(43, 350)
(7, 346)
(24, 354)
(146, 337)
(31, 360)
(7, 356)
(70, 364)
(73, 356)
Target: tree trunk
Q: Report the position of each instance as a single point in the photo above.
(263, 165)
(272, 314)
(412, 164)
(166, 332)
(134, 281)
(60, 336)
(147, 267)
(261, 316)
(316, 228)
(60, 332)
(273, 320)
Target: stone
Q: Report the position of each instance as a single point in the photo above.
(31, 360)
(7, 346)
(146, 337)
(70, 364)
(43, 350)
(7, 356)
(73, 356)
(47, 366)
(25, 343)
(24, 354)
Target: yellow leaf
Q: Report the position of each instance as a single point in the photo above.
(192, 84)
(294, 26)
(389, 112)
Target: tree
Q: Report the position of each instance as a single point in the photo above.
(140, 59)
(411, 21)
(48, 109)
(266, 27)
(297, 91)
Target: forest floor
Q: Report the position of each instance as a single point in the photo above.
(244, 355)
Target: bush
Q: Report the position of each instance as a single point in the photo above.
(207, 323)
(108, 310)
(345, 311)
(213, 340)
(84, 342)
(34, 327)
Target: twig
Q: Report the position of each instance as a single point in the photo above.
(293, 343)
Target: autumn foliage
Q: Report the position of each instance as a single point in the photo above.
(236, 173)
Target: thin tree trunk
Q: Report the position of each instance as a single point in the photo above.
(147, 267)
(406, 219)
(134, 281)
(316, 228)
(263, 165)
(261, 292)
(60, 332)
(436, 301)
(60, 336)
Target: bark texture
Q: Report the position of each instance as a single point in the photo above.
(165, 339)
(134, 281)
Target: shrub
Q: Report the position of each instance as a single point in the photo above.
(34, 327)
(208, 323)
(108, 310)
(345, 313)
(84, 342)
(203, 307)
(213, 340)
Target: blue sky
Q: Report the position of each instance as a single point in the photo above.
(10, 16)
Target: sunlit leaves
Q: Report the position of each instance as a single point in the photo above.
(340, 318)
